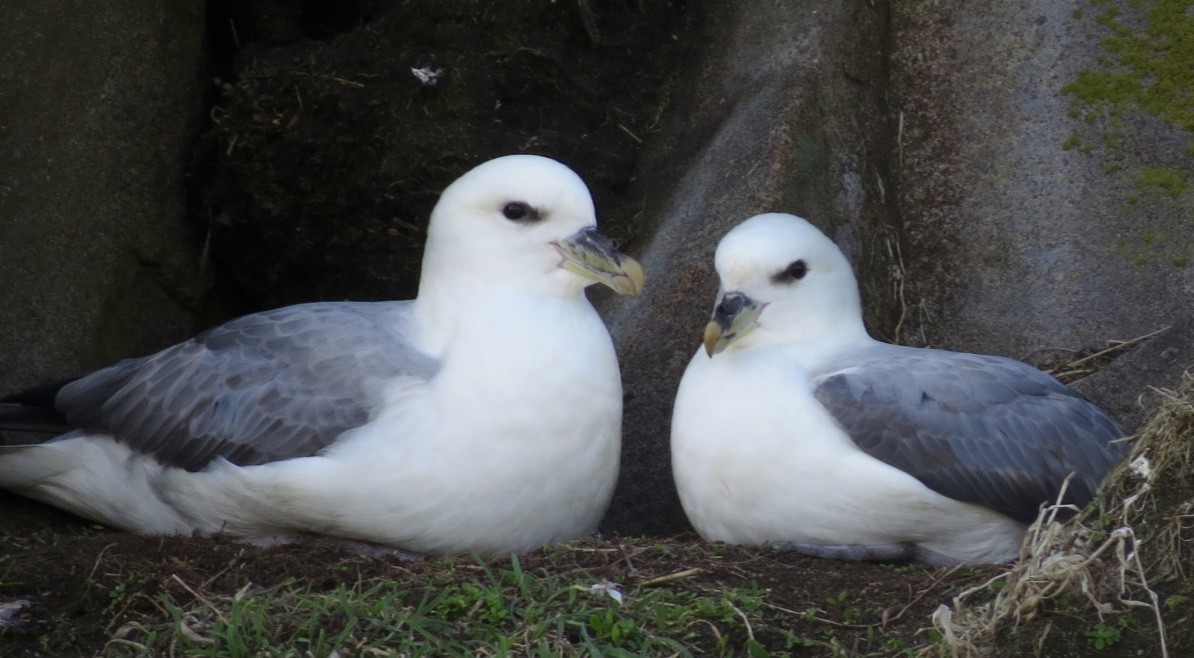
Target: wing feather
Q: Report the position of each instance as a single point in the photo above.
(981, 429)
(266, 387)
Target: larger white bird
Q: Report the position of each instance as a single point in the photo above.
(794, 426)
(484, 416)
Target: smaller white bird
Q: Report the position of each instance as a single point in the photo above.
(793, 426)
(483, 416)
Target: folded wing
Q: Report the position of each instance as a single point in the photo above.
(980, 429)
(265, 387)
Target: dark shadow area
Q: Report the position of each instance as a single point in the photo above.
(334, 126)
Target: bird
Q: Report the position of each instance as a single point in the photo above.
(793, 427)
(482, 417)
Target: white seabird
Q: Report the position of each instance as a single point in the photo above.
(483, 416)
(793, 426)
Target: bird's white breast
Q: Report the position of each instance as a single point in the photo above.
(515, 441)
(757, 459)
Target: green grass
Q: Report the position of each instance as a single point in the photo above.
(104, 594)
(107, 595)
(493, 611)
(1102, 636)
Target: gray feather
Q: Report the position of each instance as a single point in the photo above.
(265, 387)
(980, 429)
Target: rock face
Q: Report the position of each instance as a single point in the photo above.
(100, 106)
(785, 113)
(1015, 243)
(930, 139)
(929, 143)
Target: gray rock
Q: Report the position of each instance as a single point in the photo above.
(1124, 387)
(1014, 245)
(100, 105)
(938, 165)
(785, 113)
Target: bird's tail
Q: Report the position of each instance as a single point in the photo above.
(31, 411)
(25, 418)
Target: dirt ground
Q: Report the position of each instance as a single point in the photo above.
(1104, 584)
(84, 581)
(70, 568)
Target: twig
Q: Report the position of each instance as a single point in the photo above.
(632, 135)
(350, 83)
(99, 557)
(1073, 367)
(687, 573)
(916, 599)
(199, 597)
(231, 563)
(750, 634)
(823, 620)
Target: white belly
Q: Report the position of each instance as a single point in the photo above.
(757, 460)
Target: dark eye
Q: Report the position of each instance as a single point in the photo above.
(517, 211)
(793, 272)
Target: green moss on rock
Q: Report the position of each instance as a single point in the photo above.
(1170, 181)
(1146, 68)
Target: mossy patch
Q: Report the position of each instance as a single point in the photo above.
(1169, 181)
(1148, 60)
(1146, 67)
(1145, 70)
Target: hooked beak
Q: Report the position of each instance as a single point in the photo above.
(593, 256)
(735, 316)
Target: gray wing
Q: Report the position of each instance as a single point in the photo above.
(979, 429)
(262, 388)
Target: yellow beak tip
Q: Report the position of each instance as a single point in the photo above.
(635, 278)
(713, 339)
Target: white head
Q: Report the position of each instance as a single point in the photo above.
(782, 281)
(520, 222)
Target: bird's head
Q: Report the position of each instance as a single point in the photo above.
(524, 221)
(781, 281)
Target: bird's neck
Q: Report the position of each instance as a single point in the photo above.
(449, 304)
(816, 354)
(845, 329)
(811, 342)
(449, 289)
(436, 307)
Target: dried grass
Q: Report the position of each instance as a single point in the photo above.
(1109, 555)
(1088, 363)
